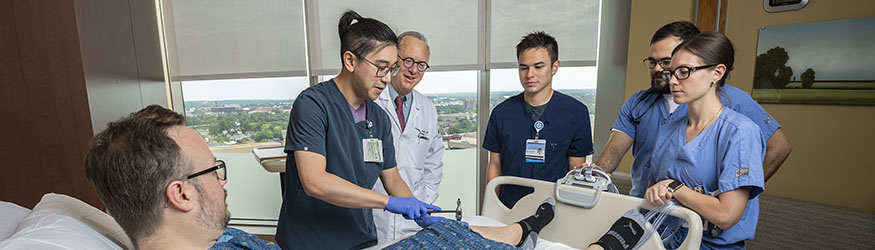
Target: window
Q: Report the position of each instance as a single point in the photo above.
(210, 39)
(454, 94)
(574, 24)
(577, 82)
(453, 40)
(236, 68)
(234, 116)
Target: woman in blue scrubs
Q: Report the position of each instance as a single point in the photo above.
(339, 141)
(711, 160)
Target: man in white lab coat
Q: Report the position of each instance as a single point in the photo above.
(418, 142)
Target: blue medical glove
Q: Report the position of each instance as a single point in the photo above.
(427, 220)
(409, 207)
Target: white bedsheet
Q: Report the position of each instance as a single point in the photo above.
(542, 244)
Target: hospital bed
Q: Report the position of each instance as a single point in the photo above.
(573, 226)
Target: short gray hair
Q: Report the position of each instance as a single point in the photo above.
(416, 35)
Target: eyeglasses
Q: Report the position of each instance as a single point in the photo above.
(409, 62)
(682, 72)
(221, 172)
(651, 63)
(382, 71)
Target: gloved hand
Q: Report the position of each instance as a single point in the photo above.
(427, 220)
(409, 207)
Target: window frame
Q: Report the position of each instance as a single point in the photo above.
(608, 89)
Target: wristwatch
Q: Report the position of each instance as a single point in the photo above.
(674, 186)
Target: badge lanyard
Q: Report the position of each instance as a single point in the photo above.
(535, 148)
(538, 126)
(372, 148)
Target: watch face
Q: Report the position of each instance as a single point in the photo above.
(674, 185)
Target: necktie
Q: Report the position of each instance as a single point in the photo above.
(399, 110)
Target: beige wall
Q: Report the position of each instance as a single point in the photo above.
(647, 17)
(831, 160)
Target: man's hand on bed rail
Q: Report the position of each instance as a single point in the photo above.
(591, 165)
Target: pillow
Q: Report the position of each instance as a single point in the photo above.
(10, 215)
(63, 222)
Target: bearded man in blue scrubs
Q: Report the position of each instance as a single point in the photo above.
(540, 133)
(644, 112)
(339, 141)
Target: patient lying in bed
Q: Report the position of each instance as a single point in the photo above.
(444, 233)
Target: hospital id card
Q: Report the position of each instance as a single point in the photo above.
(535, 150)
(372, 150)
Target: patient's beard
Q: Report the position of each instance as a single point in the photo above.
(658, 86)
(213, 215)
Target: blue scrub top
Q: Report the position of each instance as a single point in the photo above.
(322, 123)
(644, 134)
(566, 130)
(725, 156)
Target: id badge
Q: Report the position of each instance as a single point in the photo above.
(535, 150)
(372, 150)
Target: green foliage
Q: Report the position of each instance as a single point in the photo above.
(771, 71)
(266, 126)
(453, 109)
(807, 78)
(462, 126)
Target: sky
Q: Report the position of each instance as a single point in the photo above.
(286, 88)
(835, 50)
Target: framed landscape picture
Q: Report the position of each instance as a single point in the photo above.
(816, 63)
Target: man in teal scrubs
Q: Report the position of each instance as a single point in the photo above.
(339, 141)
(540, 133)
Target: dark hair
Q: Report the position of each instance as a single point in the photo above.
(539, 39)
(131, 162)
(713, 48)
(361, 35)
(682, 29)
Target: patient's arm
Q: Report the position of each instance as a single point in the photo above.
(331, 188)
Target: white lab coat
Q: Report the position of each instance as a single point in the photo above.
(418, 152)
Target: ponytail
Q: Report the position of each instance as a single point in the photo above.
(361, 35)
(348, 18)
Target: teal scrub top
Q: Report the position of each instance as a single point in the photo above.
(321, 122)
(566, 129)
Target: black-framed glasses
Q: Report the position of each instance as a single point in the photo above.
(221, 172)
(382, 71)
(409, 62)
(682, 72)
(651, 63)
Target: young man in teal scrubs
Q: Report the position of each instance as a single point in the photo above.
(540, 133)
(339, 141)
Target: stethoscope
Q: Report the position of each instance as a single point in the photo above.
(637, 120)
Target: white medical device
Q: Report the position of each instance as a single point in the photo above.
(584, 177)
